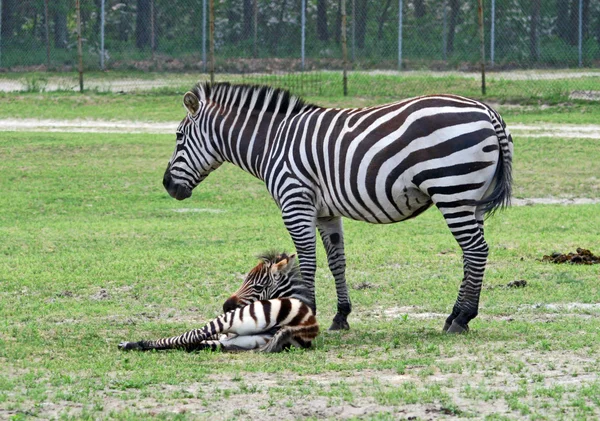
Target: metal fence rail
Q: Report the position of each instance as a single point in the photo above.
(260, 38)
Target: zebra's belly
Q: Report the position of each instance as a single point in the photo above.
(403, 203)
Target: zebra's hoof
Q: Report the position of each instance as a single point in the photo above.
(446, 327)
(337, 325)
(456, 328)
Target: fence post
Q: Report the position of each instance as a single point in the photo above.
(399, 34)
(47, 30)
(344, 50)
(580, 35)
(211, 39)
(303, 32)
(482, 43)
(79, 49)
(102, 34)
(493, 34)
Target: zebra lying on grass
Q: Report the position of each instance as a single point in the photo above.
(378, 164)
(271, 311)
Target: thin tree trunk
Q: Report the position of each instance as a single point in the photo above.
(8, 18)
(586, 17)
(362, 9)
(142, 24)
(533, 29)
(247, 20)
(562, 22)
(278, 27)
(573, 22)
(420, 9)
(322, 27)
(338, 23)
(454, 13)
(383, 19)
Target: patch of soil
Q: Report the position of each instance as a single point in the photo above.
(364, 285)
(514, 284)
(517, 284)
(101, 295)
(581, 257)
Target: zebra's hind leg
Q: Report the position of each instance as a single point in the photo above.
(467, 228)
(332, 234)
(280, 341)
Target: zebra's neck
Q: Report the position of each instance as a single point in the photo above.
(247, 120)
(294, 287)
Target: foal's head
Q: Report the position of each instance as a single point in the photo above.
(275, 276)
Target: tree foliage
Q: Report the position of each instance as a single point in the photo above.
(527, 31)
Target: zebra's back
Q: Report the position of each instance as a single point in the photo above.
(389, 163)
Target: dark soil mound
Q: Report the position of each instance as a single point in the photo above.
(582, 257)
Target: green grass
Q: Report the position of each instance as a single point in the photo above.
(93, 252)
(519, 101)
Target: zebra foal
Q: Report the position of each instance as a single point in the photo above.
(271, 311)
(380, 164)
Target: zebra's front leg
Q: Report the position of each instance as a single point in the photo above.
(300, 221)
(332, 234)
(469, 234)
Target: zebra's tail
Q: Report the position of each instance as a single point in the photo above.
(499, 198)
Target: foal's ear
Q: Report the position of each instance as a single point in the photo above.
(191, 102)
(284, 265)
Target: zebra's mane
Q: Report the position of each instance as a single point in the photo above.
(266, 95)
(301, 289)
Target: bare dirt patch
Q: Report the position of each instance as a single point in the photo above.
(122, 126)
(486, 385)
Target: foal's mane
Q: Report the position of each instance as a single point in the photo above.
(265, 95)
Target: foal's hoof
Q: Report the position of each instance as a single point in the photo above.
(455, 328)
(126, 346)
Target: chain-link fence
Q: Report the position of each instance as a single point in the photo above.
(298, 43)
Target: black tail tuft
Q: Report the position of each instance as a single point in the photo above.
(500, 197)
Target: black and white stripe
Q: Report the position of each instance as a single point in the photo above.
(380, 164)
(271, 311)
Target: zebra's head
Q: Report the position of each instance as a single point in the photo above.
(195, 156)
(273, 277)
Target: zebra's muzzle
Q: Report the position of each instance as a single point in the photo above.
(176, 190)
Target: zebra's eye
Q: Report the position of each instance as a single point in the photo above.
(179, 136)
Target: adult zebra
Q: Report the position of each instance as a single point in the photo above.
(378, 164)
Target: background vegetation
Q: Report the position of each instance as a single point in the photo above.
(437, 35)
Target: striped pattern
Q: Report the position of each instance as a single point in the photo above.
(380, 164)
(271, 324)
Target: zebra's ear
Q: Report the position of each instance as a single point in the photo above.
(191, 102)
(284, 265)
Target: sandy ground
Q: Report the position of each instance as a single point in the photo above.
(481, 388)
(591, 131)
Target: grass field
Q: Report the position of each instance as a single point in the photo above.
(94, 252)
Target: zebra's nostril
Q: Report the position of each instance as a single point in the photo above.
(230, 304)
